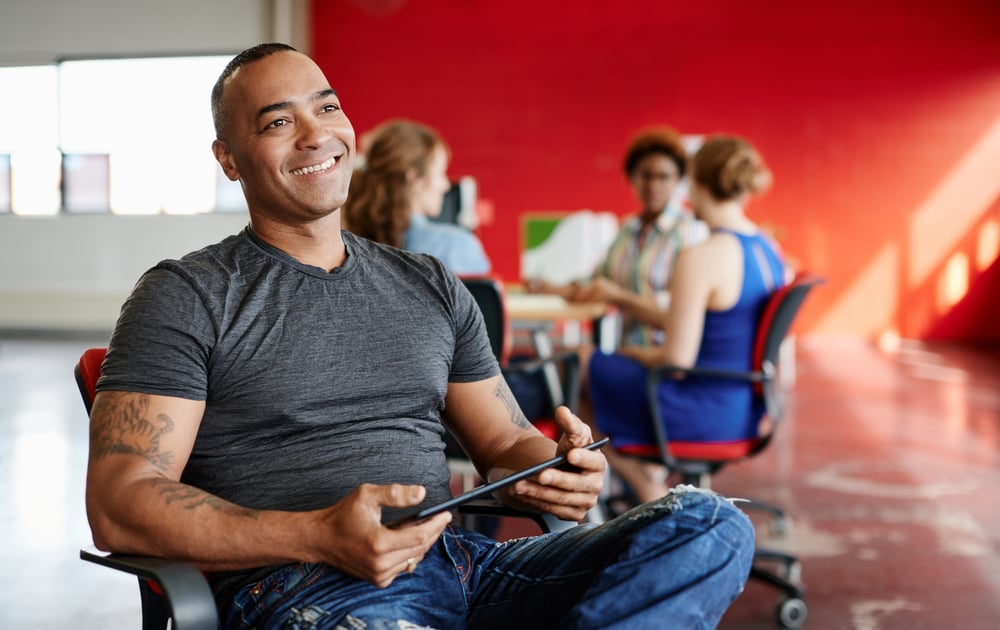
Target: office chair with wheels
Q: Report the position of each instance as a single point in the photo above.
(176, 594)
(696, 462)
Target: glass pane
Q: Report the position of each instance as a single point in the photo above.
(28, 120)
(4, 183)
(34, 185)
(85, 182)
(153, 119)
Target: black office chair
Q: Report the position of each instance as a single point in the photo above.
(697, 462)
(176, 594)
(540, 383)
(168, 590)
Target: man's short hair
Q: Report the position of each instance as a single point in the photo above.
(249, 55)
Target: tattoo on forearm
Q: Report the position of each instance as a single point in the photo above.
(503, 392)
(122, 425)
(190, 498)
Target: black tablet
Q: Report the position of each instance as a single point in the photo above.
(488, 488)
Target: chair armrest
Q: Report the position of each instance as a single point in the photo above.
(763, 376)
(758, 376)
(490, 507)
(192, 605)
(533, 363)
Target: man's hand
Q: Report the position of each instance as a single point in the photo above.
(568, 494)
(354, 541)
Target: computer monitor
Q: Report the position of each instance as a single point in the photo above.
(459, 206)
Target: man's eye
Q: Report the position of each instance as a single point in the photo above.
(274, 124)
(331, 107)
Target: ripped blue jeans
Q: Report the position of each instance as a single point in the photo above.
(675, 562)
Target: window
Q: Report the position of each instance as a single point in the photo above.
(29, 136)
(128, 136)
(86, 182)
(4, 184)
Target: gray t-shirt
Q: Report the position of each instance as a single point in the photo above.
(314, 381)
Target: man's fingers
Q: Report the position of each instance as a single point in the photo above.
(584, 480)
(394, 495)
(574, 429)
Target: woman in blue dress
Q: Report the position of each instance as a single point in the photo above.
(718, 292)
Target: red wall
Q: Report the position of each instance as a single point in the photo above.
(863, 110)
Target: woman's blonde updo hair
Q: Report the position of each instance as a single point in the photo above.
(729, 166)
(378, 206)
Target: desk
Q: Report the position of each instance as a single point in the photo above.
(537, 312)
(525, 309)
(550, 308)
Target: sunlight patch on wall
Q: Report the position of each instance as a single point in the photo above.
(987, 245)
(954, 206)
(953, 283)
(868, 305)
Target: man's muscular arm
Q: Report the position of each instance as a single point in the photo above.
(136, 504)
(139, 445)
(490, 426)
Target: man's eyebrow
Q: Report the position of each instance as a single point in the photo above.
(273, 107)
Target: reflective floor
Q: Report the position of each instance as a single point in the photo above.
(888, 465)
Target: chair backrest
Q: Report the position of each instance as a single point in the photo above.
(87, 371)
(779, 312)
(775, 323)
(488, 293)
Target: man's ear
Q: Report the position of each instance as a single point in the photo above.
(225, 159)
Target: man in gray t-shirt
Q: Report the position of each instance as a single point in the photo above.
(269, 401)
(311, 379)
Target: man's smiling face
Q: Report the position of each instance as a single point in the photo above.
(286, 138)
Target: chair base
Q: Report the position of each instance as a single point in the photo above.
(791, 611)
(778, 569)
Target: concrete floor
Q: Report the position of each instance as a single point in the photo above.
(887, 465)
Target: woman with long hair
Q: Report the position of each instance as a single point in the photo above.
(400, 187)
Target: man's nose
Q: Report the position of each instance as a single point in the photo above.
(312, 134)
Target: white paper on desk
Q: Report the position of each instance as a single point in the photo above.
(534, 302)
(576, 246)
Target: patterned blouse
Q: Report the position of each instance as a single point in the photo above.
(647, 271)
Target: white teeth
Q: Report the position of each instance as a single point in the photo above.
(315, 169)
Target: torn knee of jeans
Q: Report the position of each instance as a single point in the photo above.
(673, 500)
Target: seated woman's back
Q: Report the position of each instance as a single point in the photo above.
(400, 188)
(745, 269)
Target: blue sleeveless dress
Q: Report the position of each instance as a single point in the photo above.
(695, 409)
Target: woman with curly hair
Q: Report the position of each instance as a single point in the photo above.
(635, 272)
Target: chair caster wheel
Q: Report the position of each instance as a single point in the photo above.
(791, 612)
